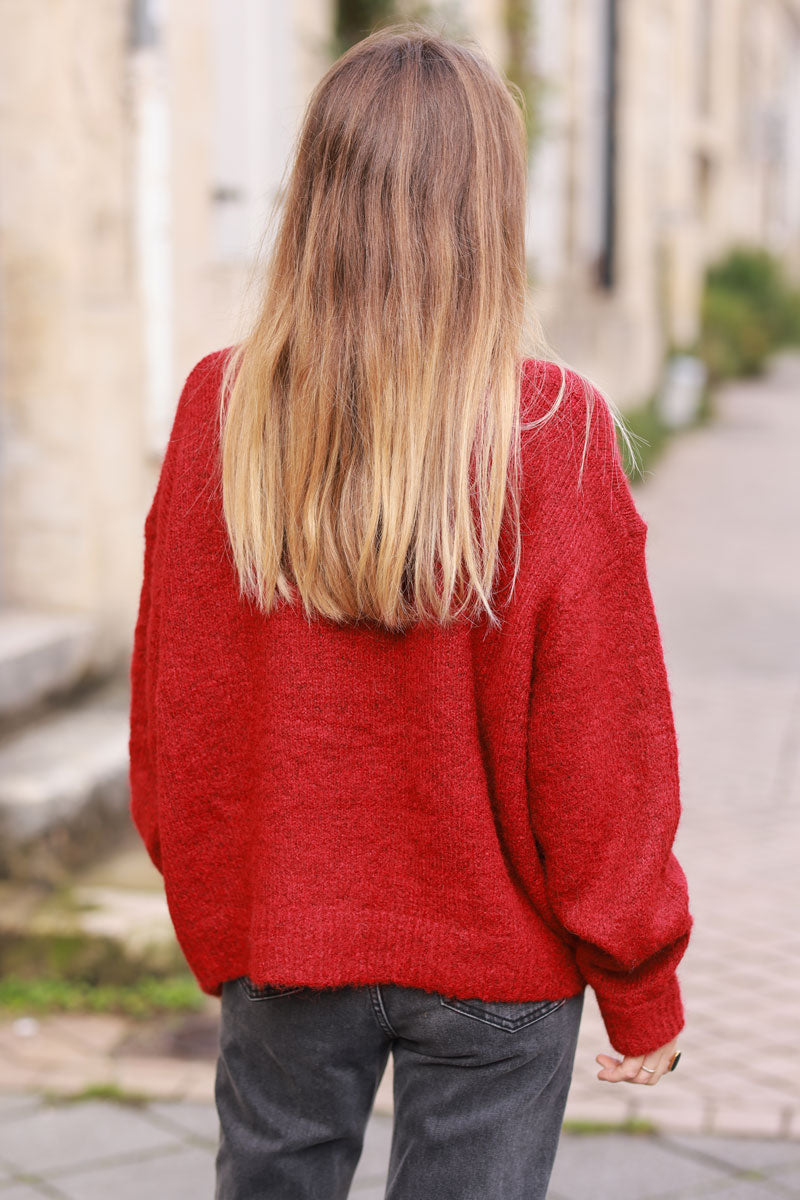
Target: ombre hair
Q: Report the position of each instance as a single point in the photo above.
(370, 418)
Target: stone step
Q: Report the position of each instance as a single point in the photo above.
(64, 796)
(107, 935)
(41, 654)
(108, 922)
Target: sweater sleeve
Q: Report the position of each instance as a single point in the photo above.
(603, 772)
(143, 672)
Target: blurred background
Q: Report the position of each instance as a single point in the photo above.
(143, 144)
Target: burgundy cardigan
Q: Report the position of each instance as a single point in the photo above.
(481, 812)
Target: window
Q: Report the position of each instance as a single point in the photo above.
(254, 117)
(703, 55)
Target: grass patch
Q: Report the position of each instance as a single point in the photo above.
(146, 997)
(99, 1091)
(639, 1126)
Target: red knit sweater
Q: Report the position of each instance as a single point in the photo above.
(485, 813)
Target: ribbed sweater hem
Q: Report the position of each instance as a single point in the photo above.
(395, 948)
(341, 946)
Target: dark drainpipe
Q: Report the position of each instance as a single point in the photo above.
(609, 231)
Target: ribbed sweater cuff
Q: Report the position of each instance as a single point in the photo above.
(639, 1028)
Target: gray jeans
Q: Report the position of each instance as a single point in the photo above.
(480, 1090)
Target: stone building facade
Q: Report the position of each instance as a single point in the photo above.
(670, 131)
(143, 142)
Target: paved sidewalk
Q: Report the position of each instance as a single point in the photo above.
(92, 1150)
(724, 513)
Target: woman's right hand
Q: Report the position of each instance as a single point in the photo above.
(629, 1069)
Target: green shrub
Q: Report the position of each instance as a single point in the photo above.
(757, 276)
(749, 309)
(735, 341)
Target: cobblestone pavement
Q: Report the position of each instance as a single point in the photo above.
(723, 513)
(723, 510)
(95, 1149)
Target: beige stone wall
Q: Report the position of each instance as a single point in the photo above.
(112, 281)
(69, 348)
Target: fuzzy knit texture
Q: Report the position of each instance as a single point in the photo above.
(481, 812)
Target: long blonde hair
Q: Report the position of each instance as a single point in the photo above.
(370, 419)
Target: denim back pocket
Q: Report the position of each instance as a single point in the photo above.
(267, 991)
(503, 1014)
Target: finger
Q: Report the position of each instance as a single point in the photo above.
(607, 1064)
(611, 1068)
(626, 1071)
(650, 1062)
(660, 1063)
